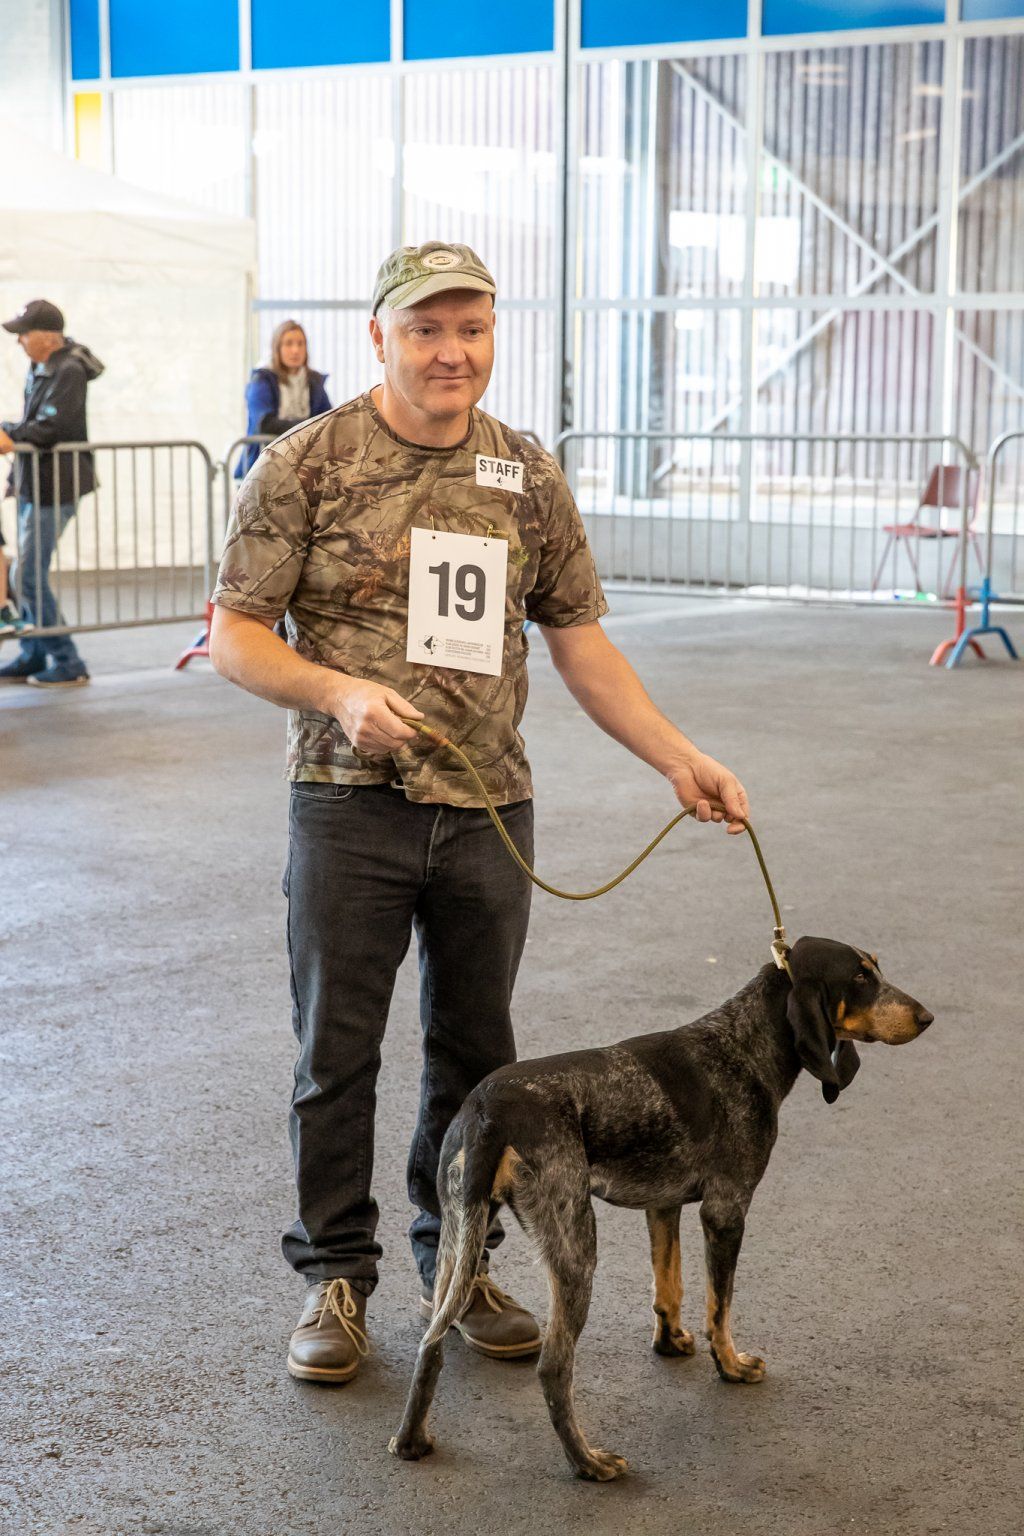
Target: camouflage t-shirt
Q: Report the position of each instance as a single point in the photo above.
(321, 531)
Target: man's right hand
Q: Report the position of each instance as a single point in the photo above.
(371, 715)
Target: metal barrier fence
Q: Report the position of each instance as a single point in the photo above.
(870, 519)
(136, 548)
(1004, 534)
(229, 483)
(853, 519)
(1000, 565)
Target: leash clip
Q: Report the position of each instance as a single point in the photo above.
(780, 949)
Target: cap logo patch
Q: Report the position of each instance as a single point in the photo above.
(439, 261)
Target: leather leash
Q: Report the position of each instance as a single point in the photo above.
(779, 947)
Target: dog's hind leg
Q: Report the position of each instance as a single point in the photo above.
(723, 1233)
(670, 1337)
(463, 1231)
(563, 1226)
(412, 1441)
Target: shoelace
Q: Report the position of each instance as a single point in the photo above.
(494, 1296)
(344, 1311)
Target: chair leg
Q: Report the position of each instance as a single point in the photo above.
(881, 565)
(912, 557)
(949, 588)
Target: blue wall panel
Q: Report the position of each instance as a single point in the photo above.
(611, 24)
(991, 10)
(287, 34)
(477, 27)
(782, 17)
(85, 39)
(188, 37)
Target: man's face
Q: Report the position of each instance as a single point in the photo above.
(438, 355)
(38, 345)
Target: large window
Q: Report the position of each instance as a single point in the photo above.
(763, 237)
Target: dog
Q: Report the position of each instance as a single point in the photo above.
(653, 1123)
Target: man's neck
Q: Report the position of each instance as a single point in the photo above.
(413, 426)
(56, 345)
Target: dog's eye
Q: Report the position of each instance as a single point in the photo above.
(862, 976)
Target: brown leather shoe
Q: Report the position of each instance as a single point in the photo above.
(330, 1339)
(492, 1323)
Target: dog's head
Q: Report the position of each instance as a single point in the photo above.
(839, 995)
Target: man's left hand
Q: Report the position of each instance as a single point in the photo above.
(6, 443)
(701, 779)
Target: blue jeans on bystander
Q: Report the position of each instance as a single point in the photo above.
(37, 541)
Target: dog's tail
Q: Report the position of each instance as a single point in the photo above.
(479, 1172)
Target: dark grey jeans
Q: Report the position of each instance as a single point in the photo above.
(366, 866)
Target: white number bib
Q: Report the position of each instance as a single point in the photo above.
(457, 601)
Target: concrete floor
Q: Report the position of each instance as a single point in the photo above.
(147, 1055)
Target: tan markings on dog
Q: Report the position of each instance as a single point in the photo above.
(670, 1337)
(841, 1013)
(712, 1312)
(886, 1023)
(507, 1173)
(731, 1363)
(720, 1334)
(668, 1276)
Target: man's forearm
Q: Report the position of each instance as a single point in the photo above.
(604, 684)
(247, 652)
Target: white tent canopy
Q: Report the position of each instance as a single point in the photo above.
(160, 291)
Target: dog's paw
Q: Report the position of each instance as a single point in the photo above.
(739, 1367)
(602, 1466)
(410, 1447)
(674, 1341)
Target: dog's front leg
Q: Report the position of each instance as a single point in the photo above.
(723, 1233)
(670, 1337)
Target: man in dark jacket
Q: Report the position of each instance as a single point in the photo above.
(47, 485)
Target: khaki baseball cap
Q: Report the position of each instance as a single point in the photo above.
(416, 272)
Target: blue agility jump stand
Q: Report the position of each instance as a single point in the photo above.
(970, 636)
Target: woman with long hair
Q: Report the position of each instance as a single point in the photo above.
(283, 392)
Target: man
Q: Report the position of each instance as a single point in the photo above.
(60, 372)
(408, 536)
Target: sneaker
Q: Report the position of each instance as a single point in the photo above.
(19, 670)
(11, 621)
(492, 1323)
(60, 676)
(329, 1339)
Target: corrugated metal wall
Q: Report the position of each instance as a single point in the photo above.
(479, 165)
(187, 141)
(668, 327)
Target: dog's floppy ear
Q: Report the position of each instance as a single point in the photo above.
(813, 1036)
(847, 1064)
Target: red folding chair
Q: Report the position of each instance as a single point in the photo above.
(944, 490)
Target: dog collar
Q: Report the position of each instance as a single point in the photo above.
(780, 952)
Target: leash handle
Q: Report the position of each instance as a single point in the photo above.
(780, 949)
